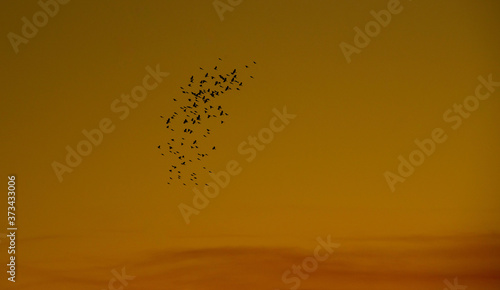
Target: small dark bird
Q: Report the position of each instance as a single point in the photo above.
(215, 68)
(158, 146)
(213, 148)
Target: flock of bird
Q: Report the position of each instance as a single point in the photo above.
(189, 127)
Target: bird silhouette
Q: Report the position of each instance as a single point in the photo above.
(200, 110)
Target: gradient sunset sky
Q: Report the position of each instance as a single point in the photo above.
(323, 175)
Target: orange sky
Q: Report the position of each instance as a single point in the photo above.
(322, 175)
